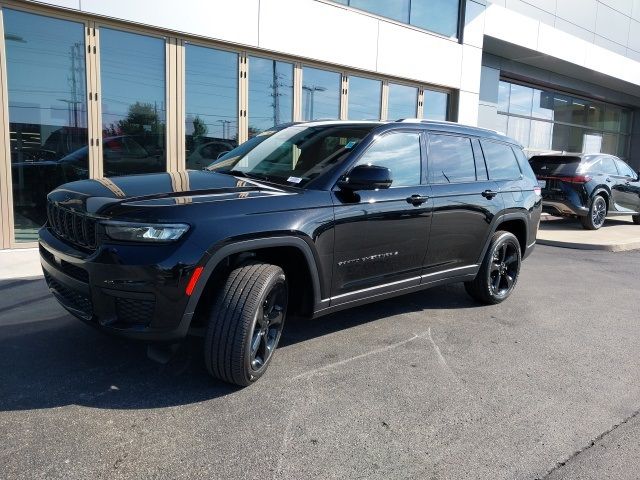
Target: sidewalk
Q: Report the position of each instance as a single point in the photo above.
(19, 263)
(617, 235)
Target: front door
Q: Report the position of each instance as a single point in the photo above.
(381, 235)
(626, 191)
(465, 202)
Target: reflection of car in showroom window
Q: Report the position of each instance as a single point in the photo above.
(206, 152)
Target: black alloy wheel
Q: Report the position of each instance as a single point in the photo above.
(245, 322)
(499, 271)
(505, 265)
(268, 326)
(596, 215)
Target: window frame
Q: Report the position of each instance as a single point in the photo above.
(515, 158)
(473, 153)
(380, 136)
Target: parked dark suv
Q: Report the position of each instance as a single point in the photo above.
(305, 220)
(589, 187)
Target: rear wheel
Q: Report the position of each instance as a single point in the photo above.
(636, 219)
(499, 272)
(245, 323)
(597, 213)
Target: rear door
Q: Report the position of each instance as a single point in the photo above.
(465, 202)
(504, 169)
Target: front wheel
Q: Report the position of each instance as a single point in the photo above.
(499, 271)
(597, 213)
(636, 219)
(245, 323)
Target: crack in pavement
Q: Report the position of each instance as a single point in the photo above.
(592, 443)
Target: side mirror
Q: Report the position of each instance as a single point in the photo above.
(367, 177)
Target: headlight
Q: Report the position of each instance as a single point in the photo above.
(132, 232)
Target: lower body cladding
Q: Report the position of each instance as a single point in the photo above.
(135, 301)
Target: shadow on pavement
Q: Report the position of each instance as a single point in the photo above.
(50, 359)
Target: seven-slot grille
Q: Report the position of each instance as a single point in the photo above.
(72, 226)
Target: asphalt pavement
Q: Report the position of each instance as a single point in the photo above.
(426, 386)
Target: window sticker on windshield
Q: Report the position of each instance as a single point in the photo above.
(350, 144)
(294, 179)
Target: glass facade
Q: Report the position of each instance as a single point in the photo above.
(211, 115)
(46, 76)
(87, 100)
(436, 105)
(440, 16)
(543, 121)
(403, 102)
(132, 74)
(320, 94)
(270, 94)
(365, 95)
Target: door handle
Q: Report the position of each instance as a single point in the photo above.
(416, 200)
(489, 194)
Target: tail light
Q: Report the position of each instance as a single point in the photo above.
(576, 179)
(537, 191)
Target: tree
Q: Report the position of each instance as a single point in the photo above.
(200, 130)
(142, 118)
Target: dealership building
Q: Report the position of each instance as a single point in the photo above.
(95, 88)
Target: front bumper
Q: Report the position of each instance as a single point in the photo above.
(133, 291)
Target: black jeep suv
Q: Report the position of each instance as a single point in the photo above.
(306, 219)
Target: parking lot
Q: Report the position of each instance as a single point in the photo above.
(429, 386)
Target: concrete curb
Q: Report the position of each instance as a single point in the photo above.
(614, 247)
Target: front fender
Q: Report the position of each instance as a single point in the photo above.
(218, 253)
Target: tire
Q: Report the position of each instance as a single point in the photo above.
(636, 219)
(499, 271)
(597, 214)
(245, 323)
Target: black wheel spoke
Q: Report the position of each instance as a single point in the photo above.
(509, 279)
(511, 259)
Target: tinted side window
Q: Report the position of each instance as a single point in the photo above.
(400, 153)
(524, 164)
(451, 159)
(625, 170)
(604, 165)
(501, 161)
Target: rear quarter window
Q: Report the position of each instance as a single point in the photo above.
(501, 161)
(526, 169)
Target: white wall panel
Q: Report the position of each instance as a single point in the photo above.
(562, 45)
(468, 108)
(471, 68)
(511, 26)
(235, 21)
(516, 29)
(406, 52)
(319, 31)
(474, 24)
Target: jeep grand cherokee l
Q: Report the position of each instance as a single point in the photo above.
(306, 220)
(590, 187)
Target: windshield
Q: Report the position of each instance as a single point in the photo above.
(294, 155)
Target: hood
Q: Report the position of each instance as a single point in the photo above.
(103, 195)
